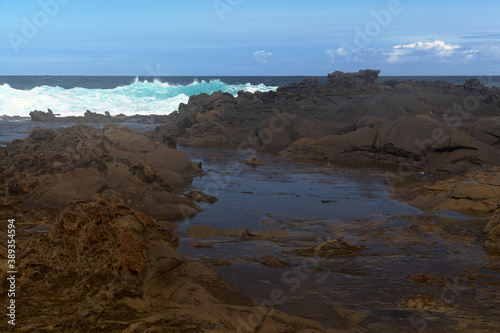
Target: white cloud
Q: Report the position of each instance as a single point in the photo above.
(341, 51)
(420, 50)
(418, 53)
(438, 44)
(262, 56)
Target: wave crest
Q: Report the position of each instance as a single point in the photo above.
(139, 97)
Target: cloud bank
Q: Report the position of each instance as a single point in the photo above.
(436, 51)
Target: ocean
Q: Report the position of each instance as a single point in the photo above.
(73, 95)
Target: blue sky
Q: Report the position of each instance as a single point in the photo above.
(248, 37)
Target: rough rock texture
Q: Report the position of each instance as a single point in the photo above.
(427, 303)
(203, 231)
(428, 279)
(199, 196)
(93, 117)
(334, 247)
(107, 268)
(351, 116)
(487, 130)
(92, 242)
(52, 168)
(491, 232)
(274, 262)
(358, 83)
(254, 162)
(418, 141)
(478, 191)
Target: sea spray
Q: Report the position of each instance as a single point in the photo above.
(140, 97)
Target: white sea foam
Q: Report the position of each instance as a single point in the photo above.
(144, 98)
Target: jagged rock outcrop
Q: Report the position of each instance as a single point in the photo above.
(52, 168)
(421, 141)
(491, 232)
(477, 191)
(365, 81)
(346, 102)
(106, 267)
(40, 116)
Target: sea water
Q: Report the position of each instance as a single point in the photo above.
(73, 95)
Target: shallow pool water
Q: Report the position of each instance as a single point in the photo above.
(316, 202)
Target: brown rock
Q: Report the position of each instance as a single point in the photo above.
(52, 168)
(254, 162)
(363, 81)
(487, 130)
(427, 278)
(93, 240)
(419, 139)
(426, 303)
(197, 166)
(200, 245)
(478, 191)
(335, 247)
(473, 191)
(202, 231)
(491, 240)
(199, 196)
(274, 262)
(144, 171)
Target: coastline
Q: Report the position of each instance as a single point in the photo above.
(351, 118)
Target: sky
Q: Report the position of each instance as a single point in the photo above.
(249, 37)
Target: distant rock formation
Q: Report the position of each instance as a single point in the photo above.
(40, 116)
(90, 117)
(352, 116)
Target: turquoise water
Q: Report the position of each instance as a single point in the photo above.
(73, 95)
(140, 97)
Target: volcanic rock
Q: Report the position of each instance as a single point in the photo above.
(274, 262)
(309, 109)
(254, 162)
(40, 116)
(491, 239)
(419, 141)
(334, 247)
(52, 168)
(478, 191)
(204, 231)
(428, 279)
(199, 196)
(106, 267)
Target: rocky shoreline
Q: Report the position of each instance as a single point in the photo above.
(90, 117)
(103, 202)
